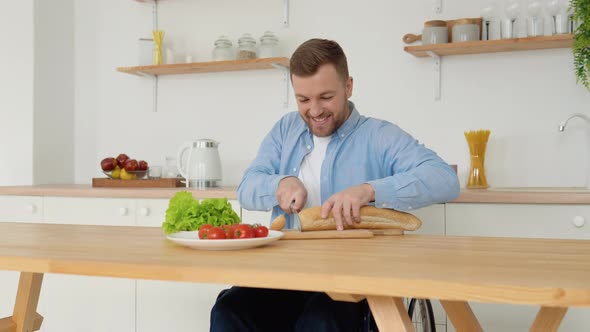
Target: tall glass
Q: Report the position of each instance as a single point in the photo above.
(556, 9)
(489, 12)
(534, 19)
(507, 27)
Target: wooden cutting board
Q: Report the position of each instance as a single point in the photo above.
(141, 183)
(345, 234)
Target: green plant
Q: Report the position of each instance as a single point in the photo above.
(581, 49)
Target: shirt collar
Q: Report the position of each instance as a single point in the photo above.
(350, 123)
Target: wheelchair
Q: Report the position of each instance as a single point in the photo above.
(425, 313)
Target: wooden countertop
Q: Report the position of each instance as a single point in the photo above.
(505, 270)
(499, 196)
(86, 190)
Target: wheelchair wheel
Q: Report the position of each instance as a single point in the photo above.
(424, 312)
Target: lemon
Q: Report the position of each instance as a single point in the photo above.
(127, 176)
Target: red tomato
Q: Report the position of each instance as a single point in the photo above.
(204, 231)
(229, 231)
(260, 231)
(243, 231)
(216, 233)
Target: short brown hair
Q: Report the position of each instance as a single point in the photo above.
(310, 55)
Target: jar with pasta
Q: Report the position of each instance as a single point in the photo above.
(246, 47)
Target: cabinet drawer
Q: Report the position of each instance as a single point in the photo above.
(21, 208)
(519, 220)
(151, 212)
(89, 211)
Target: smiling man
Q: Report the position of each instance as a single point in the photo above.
(327, 154)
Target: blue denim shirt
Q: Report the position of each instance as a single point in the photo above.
(404, 174)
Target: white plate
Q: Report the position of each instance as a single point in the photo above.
(191, 240)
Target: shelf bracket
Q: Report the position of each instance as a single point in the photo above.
(438, 6)
(155, 14)
(286, 82)
(285, 13)
(155, 88)
(437, 65)
(154, 77)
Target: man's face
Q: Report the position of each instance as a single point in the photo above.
(322, 100)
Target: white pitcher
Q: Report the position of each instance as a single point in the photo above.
(199, 163)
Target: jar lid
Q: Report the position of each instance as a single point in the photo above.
(269, 36)
(247, 39)
(222, 40)
(466, 21)
(435, 23)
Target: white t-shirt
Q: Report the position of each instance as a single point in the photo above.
(311, 170)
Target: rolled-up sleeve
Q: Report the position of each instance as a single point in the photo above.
(420, 177)
(257, 189)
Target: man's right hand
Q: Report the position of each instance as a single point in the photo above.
(291, 189)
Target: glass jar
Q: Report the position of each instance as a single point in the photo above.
(268, 45)
(465, 30)
(223, 50)
(170, 169)
(246, 47)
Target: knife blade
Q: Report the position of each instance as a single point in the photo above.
(296, 221)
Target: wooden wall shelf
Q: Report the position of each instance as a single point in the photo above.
(207, 67)
(492, 46)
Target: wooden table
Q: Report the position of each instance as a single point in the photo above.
(554, 274)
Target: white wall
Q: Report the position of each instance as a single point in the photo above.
(16, 94)
(53, 151)
(520, 96)
(36, 99)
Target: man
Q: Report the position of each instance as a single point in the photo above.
(327, 154)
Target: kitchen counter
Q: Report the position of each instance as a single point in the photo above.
(496, 195)
(86, 190)
(524, 196)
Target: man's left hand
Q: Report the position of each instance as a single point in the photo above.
(345, 205)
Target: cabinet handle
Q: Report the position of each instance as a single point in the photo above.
(31, 208)
(144, 212)
(579, 221)
(122, 211)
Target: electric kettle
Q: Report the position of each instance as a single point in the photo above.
(199, 163)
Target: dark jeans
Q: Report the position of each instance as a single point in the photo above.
(242, 309)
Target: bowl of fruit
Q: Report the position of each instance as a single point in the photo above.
(124, 168)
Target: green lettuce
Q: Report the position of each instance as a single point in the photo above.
(185, 213)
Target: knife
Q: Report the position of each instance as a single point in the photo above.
(296, 221)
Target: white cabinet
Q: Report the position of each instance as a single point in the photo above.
(520, 220)
(172, 306)
(21, 208)
(80, 303)
(90, 211)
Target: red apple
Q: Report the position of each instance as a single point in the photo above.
(108, 164)
(142, 165)
(121, 159)
(131, 165)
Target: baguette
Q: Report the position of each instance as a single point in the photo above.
(371, 218)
